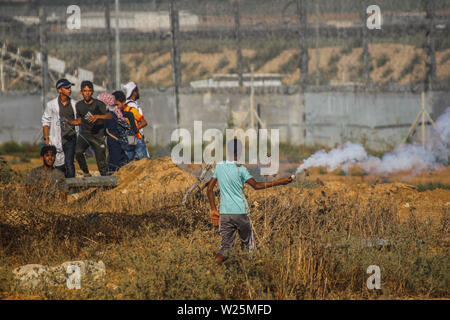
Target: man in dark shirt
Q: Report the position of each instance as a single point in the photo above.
(44, 182)
(91, 113)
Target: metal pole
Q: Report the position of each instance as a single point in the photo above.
(43, 51)
(2, 75)
(117, 47)
(237, 32)
(423, 120)
(430, 47)
(317, 43)
(366, 55)
(175, 55)
(252, 99)
(302, 17)
(109, 62)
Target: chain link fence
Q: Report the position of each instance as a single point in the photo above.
(286, 42)
(180, 46)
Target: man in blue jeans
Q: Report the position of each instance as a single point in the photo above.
(233, 204)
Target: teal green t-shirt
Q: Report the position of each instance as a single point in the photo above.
(231, 179)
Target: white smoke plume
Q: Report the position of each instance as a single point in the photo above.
(408, 157)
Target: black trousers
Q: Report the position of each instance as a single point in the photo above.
(97, 142)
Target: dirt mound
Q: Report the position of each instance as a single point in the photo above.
(142, 185)
(404, 199)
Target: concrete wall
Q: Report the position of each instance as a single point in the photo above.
(378, 118)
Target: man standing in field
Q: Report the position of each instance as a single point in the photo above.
(44, 181)
(233, 204)
(91, 113)
(132, 95)
(58, 122)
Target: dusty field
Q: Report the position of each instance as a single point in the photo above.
(155, 248)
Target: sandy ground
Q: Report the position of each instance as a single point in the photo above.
(146, 184)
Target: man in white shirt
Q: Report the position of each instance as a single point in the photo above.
(59, 128)
(132, 95)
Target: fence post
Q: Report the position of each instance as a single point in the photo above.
(302, 17)
(237, 35)
(174, 26)
(430, 46)
(109, 67)
(366, 54)
(44, 53)
(118, 80)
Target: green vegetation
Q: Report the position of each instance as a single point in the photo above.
(25, 149)
(409, 68)
(421, 187)
(359, 173)
(382, 60)
(222, 64)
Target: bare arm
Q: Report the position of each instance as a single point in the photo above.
(141, 124)
(46, 135)
(215, 215)
(75, 122)
(264, 185)
(95, 117)
(212, 201)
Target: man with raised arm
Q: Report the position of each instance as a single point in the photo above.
(233, 203)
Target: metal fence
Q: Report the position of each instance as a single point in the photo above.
(380, 45)
(162, 43)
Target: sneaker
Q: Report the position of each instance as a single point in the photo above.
(87, 175)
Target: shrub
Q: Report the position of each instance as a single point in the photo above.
(382, 60)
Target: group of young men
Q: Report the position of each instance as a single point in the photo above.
(72, 127)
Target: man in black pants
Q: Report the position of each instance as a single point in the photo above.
(91, 113)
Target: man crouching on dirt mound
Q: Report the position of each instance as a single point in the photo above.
(233, 203)
(46, 182)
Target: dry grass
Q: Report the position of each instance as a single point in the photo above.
(309, 246)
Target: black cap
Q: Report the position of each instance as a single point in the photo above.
(64, 83)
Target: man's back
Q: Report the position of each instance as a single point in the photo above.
(231, 179)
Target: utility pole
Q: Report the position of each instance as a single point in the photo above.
(109, 66)
(175, 27)
(44, 53)
(238, 36)
(117, 47)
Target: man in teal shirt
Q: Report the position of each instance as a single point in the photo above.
(233, 204)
